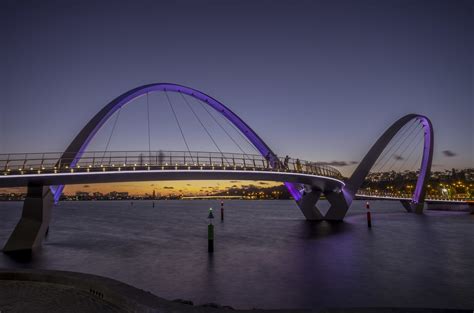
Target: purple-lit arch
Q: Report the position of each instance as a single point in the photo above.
(358, 177)
(77, 147)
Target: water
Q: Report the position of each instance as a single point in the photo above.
(266, 254)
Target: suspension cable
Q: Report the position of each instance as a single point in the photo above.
(227, 133)
(204, 127)
(417, 160)
(179, 125)
(396, 140)
(411, 152)
(405, 149)
(245, 138)
(401, 143)
(110, 136)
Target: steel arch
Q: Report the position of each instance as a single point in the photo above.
(79, 144)
(358, 177)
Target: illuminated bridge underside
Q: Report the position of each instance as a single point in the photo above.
(323, 183)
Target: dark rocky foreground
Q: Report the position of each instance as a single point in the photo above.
(26, 290)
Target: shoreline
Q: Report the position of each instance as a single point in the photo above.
(76, 289)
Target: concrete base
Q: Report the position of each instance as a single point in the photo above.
(337, 211)
(34, 222)
(308, 207)
(418, 207)
(410, 206)
(407, 205)
(339, 206)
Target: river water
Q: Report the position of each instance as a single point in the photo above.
(266, 254)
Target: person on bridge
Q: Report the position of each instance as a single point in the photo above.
(298, 165)
(285, 162)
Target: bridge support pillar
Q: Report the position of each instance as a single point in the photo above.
(418, 207)
(34, 222)
(307, 205)
(411, 206)
(339, 206)
(407, 205)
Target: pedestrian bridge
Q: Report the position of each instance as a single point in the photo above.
(45, 174)
(52, 169)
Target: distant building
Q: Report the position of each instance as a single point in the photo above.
(82, 195)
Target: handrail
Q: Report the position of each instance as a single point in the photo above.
(52, 162)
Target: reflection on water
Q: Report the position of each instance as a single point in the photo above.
(266, 254)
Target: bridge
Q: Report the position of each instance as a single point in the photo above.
(45, 174)
(49, 169)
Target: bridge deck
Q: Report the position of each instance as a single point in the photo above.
(88, 177)
(116, 166)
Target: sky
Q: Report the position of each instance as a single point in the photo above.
(318, 80)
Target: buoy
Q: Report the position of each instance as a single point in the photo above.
(222, 210)
(210, 232)
(369, 220)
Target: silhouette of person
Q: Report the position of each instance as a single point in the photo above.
(298, 165)
(287, 159)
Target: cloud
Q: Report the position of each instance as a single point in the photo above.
(398, 157)
(339, 163)
(168, 187)
(449, 153)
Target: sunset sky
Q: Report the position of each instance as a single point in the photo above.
(318, 80)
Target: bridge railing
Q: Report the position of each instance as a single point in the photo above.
(407, 195)
(384, 194)
(51, 162)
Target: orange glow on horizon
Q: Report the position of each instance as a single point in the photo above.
(166, 188)
(163, 188)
